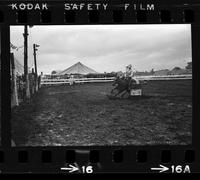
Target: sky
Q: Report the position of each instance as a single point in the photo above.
(106, 48)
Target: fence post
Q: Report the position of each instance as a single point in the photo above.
(32, 82)
(14, 100)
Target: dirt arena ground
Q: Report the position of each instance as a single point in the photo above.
(83, 115)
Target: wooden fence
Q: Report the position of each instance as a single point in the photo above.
(165, 77)
(45, 81)
(80, 80)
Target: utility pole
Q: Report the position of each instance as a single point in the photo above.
(14, 100)
(35, 62)
(26, 78)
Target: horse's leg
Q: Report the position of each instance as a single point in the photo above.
(119, 92)
(112, 90)
(129, 93)
(116, 94)
(124, 93)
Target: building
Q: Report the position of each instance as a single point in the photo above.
(162, 72)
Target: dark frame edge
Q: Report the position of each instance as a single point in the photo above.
(5, 86)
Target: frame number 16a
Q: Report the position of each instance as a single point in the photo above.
(172, 169)
(180, 169)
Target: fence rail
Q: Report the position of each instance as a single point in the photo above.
(45, 81)
(80, 80)
(166, 77)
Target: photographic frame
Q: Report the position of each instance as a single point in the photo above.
(128, 157)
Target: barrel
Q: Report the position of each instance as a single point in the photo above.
(136, 90)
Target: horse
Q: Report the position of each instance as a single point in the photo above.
(123, 85)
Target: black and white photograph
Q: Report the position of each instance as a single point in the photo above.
(101, 85)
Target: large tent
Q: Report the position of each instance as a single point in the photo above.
(78, 68)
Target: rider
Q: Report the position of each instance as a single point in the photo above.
(130, 76)
(129, 71)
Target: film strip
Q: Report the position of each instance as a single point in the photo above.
(30, 142)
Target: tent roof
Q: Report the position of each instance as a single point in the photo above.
(78, 68)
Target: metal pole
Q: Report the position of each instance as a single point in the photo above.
(26, 78)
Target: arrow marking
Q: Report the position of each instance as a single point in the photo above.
(160, 169)
(71, 168)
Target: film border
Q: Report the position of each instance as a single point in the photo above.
(127, 157)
